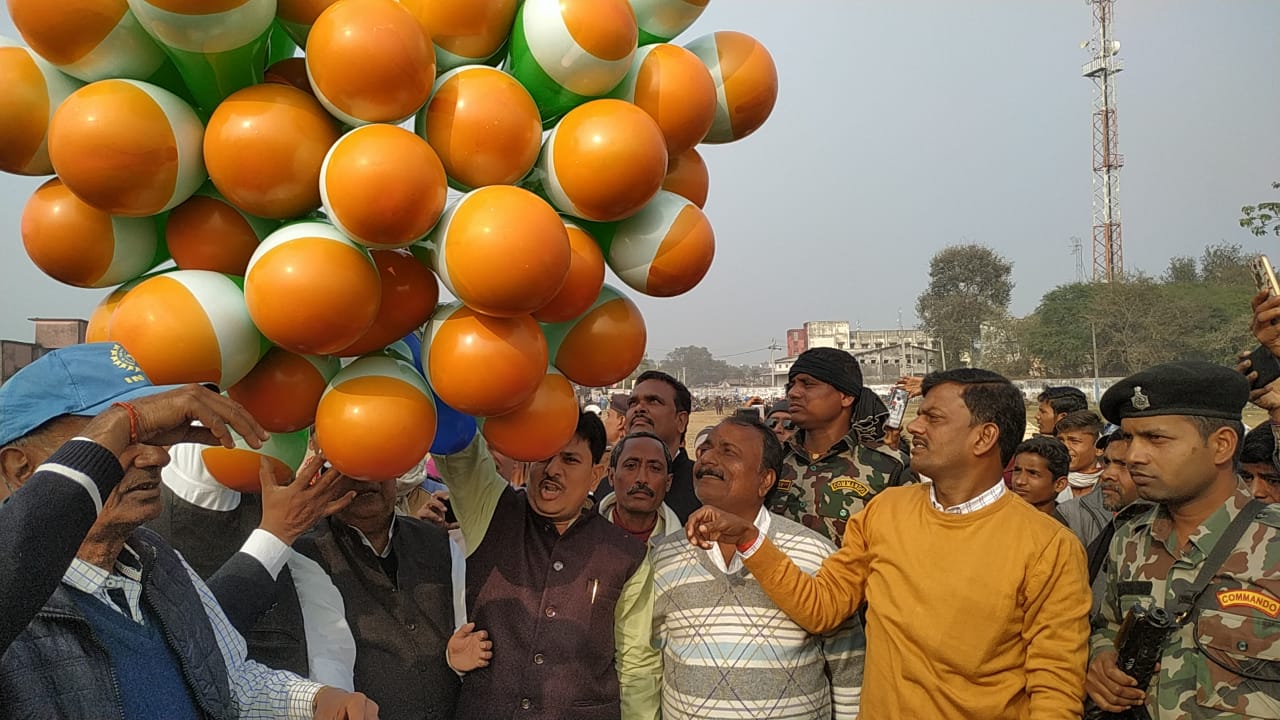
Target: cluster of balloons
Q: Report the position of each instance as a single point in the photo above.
(294, 160)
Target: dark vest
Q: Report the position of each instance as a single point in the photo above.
(681, 498)
(547, 601)
(401, 630)
(207, 539)
(59, 669)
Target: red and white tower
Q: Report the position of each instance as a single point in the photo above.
(1104, 63)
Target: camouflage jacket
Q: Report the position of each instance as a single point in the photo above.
(823, 493)
(1225, 661)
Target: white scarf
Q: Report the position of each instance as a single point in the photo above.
(1082, 480)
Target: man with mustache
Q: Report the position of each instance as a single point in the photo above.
(1120, 499)
(125, 628)
(565, 595)
(727, 651)
(977, 605)
(661, 404)
(640, 472)
(1221, 587)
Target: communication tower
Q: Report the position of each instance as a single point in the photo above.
(1103, 65)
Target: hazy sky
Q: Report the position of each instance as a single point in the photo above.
(904, 126)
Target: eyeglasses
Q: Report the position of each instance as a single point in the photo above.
(786, 424)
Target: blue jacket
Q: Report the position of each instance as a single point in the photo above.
(57, 668)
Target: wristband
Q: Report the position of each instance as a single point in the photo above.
(133, 420)
(746, 550)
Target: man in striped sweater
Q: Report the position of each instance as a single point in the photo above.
(728, 651)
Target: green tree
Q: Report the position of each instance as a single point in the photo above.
(968, 285)
(1262, 218)
(1059, 335)
(1182, 269)
(1225, 264)
(646, 364)
(696, 365)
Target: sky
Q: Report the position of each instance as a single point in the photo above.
(902, 127)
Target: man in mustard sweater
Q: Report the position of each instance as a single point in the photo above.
(977, 603)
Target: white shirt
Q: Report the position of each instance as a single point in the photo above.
(986, 499)
(331, 648)
(762, 522)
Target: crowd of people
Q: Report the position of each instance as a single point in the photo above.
(812, 561)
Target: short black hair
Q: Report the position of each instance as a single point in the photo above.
(1086, 420)
(1064, 399)
(1209, 425)
(616, 455)
(990, 398)
(1053, 452)
(591, 429)
(771, 448)
(684, 398)
(1259, 445)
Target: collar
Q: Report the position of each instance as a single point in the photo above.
(762, 522)
(89, 578)
(986, 499)
(391, 534)
(1207, 534)
(844, 444)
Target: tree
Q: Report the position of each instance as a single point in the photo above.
(646, 364)
(695, 365)
(1262, 218)
(1059, 337)
(968, 285)
(1225, 264)
(1182, 269)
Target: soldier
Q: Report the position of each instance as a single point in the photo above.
(1221, 660)
(830, 472)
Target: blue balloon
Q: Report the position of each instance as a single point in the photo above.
(454, 430)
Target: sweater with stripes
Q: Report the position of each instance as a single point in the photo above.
(728, 652)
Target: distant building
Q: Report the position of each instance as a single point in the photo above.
(884, 355)
(50, 334)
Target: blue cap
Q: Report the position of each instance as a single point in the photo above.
(75, 380)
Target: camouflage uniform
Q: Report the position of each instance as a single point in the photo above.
(1239, 624)
(823, 494)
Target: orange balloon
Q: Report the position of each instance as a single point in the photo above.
(239, 468)
(283, 389)
(583, 283)
(746, 82)
(541, 426)
(301, 12)
(80, 245)
(311, 290)
(290, 71)
(100, 319)
(502, 251)
(675, 88)
(64, 32)
(127, 147)
(376, 422)
(25, 106)
(370, 61)
(603, 346)
(688, 177)
(472, 30)
(409, 296)
(264, 146)
(482, 365)
(383, 186)
(205, 233)
(604, 161)
(484, 126)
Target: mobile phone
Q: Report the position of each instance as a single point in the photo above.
(755, 412)
(1266, 365)
(897, 407)
(1264, 276)
(449, 516)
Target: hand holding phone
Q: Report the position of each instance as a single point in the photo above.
(897, 407)
(1264, 276)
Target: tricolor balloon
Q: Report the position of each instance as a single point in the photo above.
(540, 426)
(208, 233)
(662, 251)
(33, 89)
(483, 365)
(603, 345)
(377, 420)
(746, 83)
(661, 20)
(188, 326)
(466, 32)
(240, 468)
(283, 389)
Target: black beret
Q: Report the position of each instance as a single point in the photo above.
(1178, 388)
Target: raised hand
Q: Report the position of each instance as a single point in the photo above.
(166, 419)
(292, 507)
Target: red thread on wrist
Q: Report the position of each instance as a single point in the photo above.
(133, 420)
(745, 546)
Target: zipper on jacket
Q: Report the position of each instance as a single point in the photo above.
(185, 672)
(115, 683)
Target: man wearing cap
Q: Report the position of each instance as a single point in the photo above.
(130, 629)
(832, 467)
(1221, 659)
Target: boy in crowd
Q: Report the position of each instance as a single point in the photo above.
(1040, 473)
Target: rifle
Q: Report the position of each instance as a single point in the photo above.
(1139, 645)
